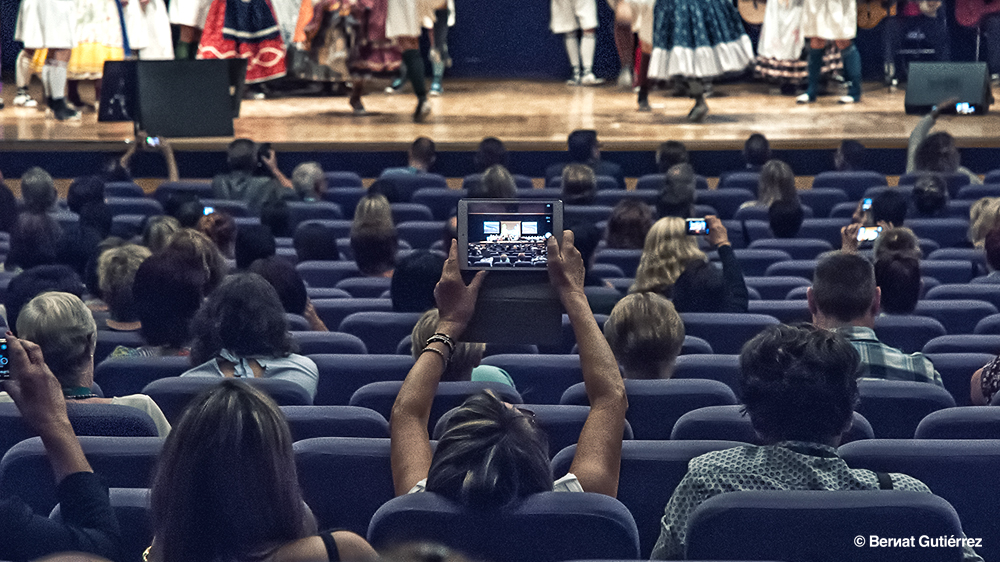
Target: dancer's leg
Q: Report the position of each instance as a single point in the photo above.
(644, 77)
(22, 75)
(573, 52)
(815, 67)
(700, 109)
(415, 73)
(588, 45)
(55, 67)
(852, 70)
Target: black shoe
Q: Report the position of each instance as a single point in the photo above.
(699, 111)
(62, 111)
(422, 111)
(644, 104)
(358, 107)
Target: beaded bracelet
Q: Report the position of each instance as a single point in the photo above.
(444, 359)
(442, 338)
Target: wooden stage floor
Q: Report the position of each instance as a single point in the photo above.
(528, 116)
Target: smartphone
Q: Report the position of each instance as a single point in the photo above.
(869, 233)
(866, 204)
(507, 233)
(696, 227)
(965, 108)
(208, 211)
(152, 142)
(4, 360)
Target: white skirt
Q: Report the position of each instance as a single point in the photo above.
(642, 19)
(830, 19)
(405, 17)
(46, 24)
(191, 13)
(149, 30)
(781, 34)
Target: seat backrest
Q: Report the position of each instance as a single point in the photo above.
(612, 197)
(695, 346)
(823, 229)
(797, 248)
(108, 340)
(726, 201)
(173, 394)
(962, 422)
(121, 376)
(421, 234)
(440, 200)
(976, 192)
(133, 206)
(960, 471)
(755, 261)
(775, 287)
(983, 292)
(120, 462)
(627, 260)
(131, 506)
(333, 311)
(402, 212)
(380, 396)
(786, 311)
(307, 422)
(989, 325)
(202, 189)
(544, 527)
(302, 211)
(340, 375)
(313, 343)
(233, 207)
(326, 273)
(644, 462)
(725, 332)
(957, 316)
(408, 184)
(740, 180)
(895, 408)
(964, 343)
(955, 181)
(950, 271)
(792, 268)
(782, 525)
(381, 331)
(907, 333)
(123, 189)
(540, 379)
(822, 199)
(655, 405)
(346, 197)
(717, 367)
(956, 369)
(947, 232)
(853, 184)
(730, 422)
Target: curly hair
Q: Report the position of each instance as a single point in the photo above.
(666, 254)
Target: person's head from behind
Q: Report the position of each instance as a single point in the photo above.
(491, 153)
(678, 193)
(992, 247)
(220, 228)
(776, 183)
(465, 358)
(286, 281)
(583, 146)
(242, 156)
(309, 181)
(115, 273)
(423, 153)
(495, 183)
(38, 190)
(670, 154)
(897, 275)
(490, 455)
(188, 213)
(785, 218)
(900, 240)
(158, 230)
(628, 225)
(65, 330)
(225, 486)
(167, 293)
(92, 277)
(84, 190)
(243, 316)
(843, 291)
(890, 206)
(413, 281)
(851, 156)
(666, 254)
(315, 241)
(938, 153)
(33, 241)
(799, 383)
(756, 150)
(984, 216)
(35, 281)
(646, 335)
(373, 211)
(579, 185)
(196, 251)
(253, 242)
(930, 195)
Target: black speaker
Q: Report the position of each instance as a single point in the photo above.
(930, 83)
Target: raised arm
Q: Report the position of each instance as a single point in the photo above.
(410, 442)
(599, 448)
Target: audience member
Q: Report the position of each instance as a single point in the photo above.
(91, 277)
(84, 190)
(844, 298)
(491, 152)
(756, 152)
(930, 196)
(188, 213)
(412, 285)
(244, 158)
(276, 216)
(38, 191)
(8, 208)
(220, 228)
(92, 526)
(984, 216)
(491, 454)
(420, 159)
(799, 388)
(936, 152)
(646, 335)
(851, 156)
(64, 329)
(889, 208)
(315, 241)
(900, 240)
(678, 193)
(253, 242)
(992, 249)
(584, 148)
(579, 185)
(79, 242)
(670, 154)
(785, 218)
(628, 225)
(290, 288)
(115, 273)
(897, 276)
(157, 231)
(776, 183)
(373, 237)
(225, 488)
(495, 183)
(309, 182)
(464, 364)
(34, 241)
(198, 252)
(673, 266)
(388, 189)
(241, 331)
(35, 281)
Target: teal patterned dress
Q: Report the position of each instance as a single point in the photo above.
(698, 39)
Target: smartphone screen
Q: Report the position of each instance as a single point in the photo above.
(697, 226)
(965, 108)
(869, 233)
(4, 360)
(498, 233)
(153, 141)
(208, 211)
(866, 204)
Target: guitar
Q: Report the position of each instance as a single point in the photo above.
(752, 11)
(872, 12)
(969, 13)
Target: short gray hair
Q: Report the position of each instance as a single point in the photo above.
(305, 176)
(38, 190)
(65, 330)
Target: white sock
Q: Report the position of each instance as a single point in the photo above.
(22, 69)
(587, 47)
(573, 50)
(57, 79)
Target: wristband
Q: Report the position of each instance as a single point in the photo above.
(444, 359)
(442, 338)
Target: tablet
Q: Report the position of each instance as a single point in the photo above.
(498, 234)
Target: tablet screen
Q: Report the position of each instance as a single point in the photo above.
(507, 234)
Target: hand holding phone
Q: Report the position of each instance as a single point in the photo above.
(4, 360)
(696, 227)
(866, 204)
(869, 233)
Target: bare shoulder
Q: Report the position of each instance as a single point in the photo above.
(350, 546)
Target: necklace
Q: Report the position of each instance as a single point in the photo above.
(78, 392)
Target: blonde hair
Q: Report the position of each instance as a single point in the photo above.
(115, 273)
(776, 183)
(646, 335)
(497, 183)
(465, 358)
(984, 214)
(158, 231)
(579, 184)
(373, 214)
(65, 330)
(666, 254)
(899, 240)
(198, 251)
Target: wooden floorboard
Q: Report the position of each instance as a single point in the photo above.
(529, 116)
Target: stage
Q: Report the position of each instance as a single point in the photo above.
(535, 117)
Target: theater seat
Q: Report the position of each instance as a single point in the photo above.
(730, 422)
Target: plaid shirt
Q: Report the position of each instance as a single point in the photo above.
(879, 361)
